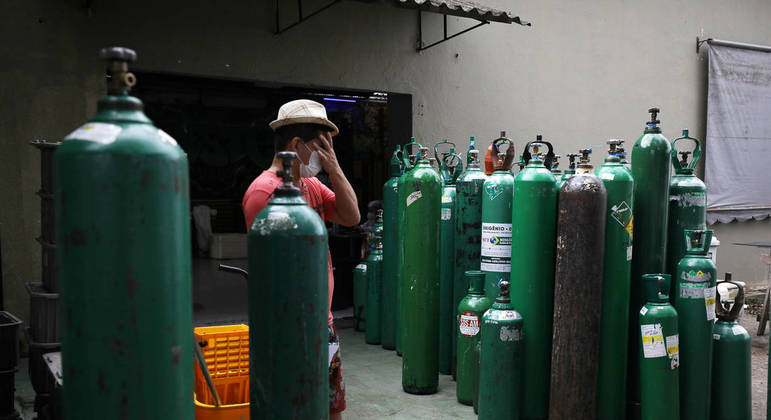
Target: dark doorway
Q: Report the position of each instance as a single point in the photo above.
(222, 124)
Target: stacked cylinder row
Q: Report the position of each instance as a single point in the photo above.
(500, 278)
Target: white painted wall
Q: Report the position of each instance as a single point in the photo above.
(584, 72)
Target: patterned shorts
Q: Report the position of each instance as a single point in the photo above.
(336, 384)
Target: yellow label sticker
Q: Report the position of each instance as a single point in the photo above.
(673, 350)
(630, 227)
(652, 341)
(709, 302)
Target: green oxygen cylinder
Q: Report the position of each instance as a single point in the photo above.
(659, 352)
(694, 299)
(360, 296)
(501, 360)
(614, 327)
(495, 251)
(409, 158)
(687, 202)
(375, 283)
(468, 229)
(578, 281)
(390, 223)
(288, 368)
(534, 223)
(731, 362)
(651, 172)
(469, 314)
(477, 352)
(420, 276)
(123, 237)
(569, 171)
(451, 166)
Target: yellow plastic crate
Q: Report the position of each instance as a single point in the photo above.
(226, 351)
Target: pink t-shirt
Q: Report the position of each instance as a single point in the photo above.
(316, 194)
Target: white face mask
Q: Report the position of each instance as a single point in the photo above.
(313, 167)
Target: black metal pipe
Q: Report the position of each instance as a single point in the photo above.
(421, 48)
(302, 19)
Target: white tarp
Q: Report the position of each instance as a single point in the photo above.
(738, 147)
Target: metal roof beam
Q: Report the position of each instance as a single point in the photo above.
(445, 38)
(300, 17)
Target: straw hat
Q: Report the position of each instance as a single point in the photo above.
(303, 111)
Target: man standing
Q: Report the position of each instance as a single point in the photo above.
(302, 127)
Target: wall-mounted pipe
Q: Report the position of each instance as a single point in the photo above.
(723, 43)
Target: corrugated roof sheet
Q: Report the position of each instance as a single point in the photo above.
(462, 8)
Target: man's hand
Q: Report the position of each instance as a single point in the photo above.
(326, 151)
(346, 206)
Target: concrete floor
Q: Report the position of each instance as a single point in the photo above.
(372, 374)
(373, 386)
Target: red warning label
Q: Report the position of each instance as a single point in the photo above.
(469, 324)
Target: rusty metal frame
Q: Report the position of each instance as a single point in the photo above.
(445, 38)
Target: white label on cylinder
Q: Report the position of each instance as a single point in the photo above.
(503, 315)
(446, 214)
(95, 131)
(446, 199)
(738, 330)
(709, 302)
(652, 341)
(716, 336)
(413, 197)
(629, 253)
(692, 290)
(673, 350)
(278, 215)
(468, 324)
(643, 311)
(496, 247)
(690, 199)
(509, 334)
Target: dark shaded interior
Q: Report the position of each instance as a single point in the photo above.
(222, 124)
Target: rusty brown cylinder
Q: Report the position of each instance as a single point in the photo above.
(578, 296)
